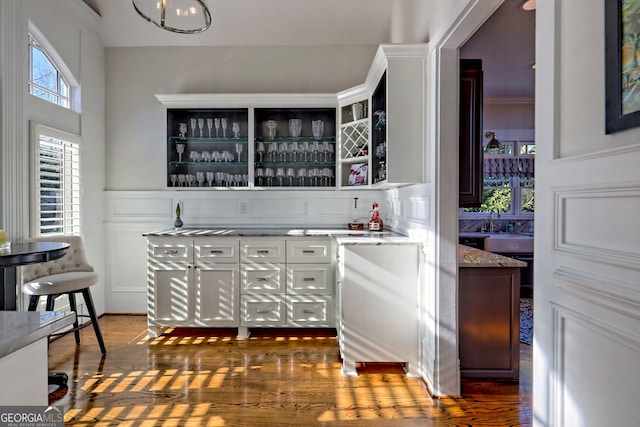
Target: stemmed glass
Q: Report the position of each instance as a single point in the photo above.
(280, 175)
(193, 126)
(290, 174)
(273, 149)
(239, 148)
(315, 147)
(209, 126)
(183, 130)
(200, 125)
(223, 122)
(200, 178)
(260, 175)
(209, 178)
(282, 151)
(293, 146)
(219, 178)
(174, 179)
(216, 123)
(236, 130)
(302, 174)
(268, 172)
(180, 150)
(260, 150)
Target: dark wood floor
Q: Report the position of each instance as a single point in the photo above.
(196, 377)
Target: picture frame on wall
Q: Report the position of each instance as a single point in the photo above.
(622, 59)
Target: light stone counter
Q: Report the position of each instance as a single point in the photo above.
(471, 257)
(19, 329)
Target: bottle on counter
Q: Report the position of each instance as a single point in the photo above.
(375, 223)
(356, 224)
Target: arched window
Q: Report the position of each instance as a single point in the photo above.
(45, 79)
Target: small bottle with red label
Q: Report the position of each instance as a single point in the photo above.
(375, 223)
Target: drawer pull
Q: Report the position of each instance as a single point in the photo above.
(307, 311)
(262, 310)
(262, 279)
(309, 279)
(308, 251)
(262, 251)
(170, 251)
(216, 251)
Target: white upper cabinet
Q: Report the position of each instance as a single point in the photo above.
(382, 121)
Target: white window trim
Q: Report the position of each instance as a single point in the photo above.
(37, 130)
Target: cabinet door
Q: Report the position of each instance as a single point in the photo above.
(263, 310)
(217, 295)
(309, 251)
(217, 249)
(171, 298)
(470, 151)
(161, 249)
(310, 311)
(262, 250)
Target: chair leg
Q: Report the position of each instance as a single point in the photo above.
(73, 307)
(51, 301)
(94, 319)
(33, 302)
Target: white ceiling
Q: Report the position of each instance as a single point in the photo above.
(256, 23)
(505, 42)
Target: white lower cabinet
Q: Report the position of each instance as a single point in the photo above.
(240, 283)
(378, 290)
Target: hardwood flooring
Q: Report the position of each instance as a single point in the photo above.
(208, 377)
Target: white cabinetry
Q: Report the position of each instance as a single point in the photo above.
(192, 282)
(388, 138)
(378, 305)
(286, 283)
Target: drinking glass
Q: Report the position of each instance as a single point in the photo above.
(206, 156)
(291, 173)
(268, 172)
(295, 128)
(292, 150)
(223, 122)
(209, 126)
(239, 148)
(200, 178)
(282, 151)
(324, 149)
(200, 125)
(216, 123)
(236, 130)
(183, 130)
(260, 150)
(273, 150)
(219, 178)
(180, 150)
(305, 149)
(259, 176)
(312, 173)
(181, 180)
(272, 126)
(315, 147)
(174, 179)
(302, 174)
(245, 180)
(280, 175)
(194, 123)
(317, 127)
(215, 156)
(210, 176)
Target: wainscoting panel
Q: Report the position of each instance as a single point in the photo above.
(583, 388)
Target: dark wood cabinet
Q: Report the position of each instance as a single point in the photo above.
(470, 143)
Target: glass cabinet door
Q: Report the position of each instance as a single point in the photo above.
(207, 147)
(295, 147)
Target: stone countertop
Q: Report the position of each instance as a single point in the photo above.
(472, 257)
(18, 329)
(342, 236)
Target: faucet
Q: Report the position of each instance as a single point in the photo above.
(491, 224)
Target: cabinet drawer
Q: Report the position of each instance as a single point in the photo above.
(310, 279)
(309, 251)
(262, 250)
(310, 310)
(172, 248)
(217, 250)
(263, 310)
(263, 278)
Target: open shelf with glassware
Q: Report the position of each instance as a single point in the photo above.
(207, 147)
(294, 147)
(376, 152)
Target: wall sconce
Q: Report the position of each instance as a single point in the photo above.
(493, 143)
(178, 16)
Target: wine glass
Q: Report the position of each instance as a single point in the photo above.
(216, 123)
(268, 172)
(260, 175)
(272, 150)
(200, 125)
(280, 175)
(239, 148)
(209, 126)
(210, 178)
(260, 150)
(193, 122)
(291, 173)
(219, 176)
(223, 122)
(236, 130)
(200, 178)
(180, 150)
(302, 174)
(282, 151)
(181, 180)
(182, 130)
(174, 179)
(315, 147)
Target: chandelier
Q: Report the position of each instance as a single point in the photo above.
(178, 16)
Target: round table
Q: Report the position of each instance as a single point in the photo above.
(21, 254)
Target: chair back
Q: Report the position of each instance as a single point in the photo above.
(74, 259)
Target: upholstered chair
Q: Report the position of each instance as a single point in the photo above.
(69, 275)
